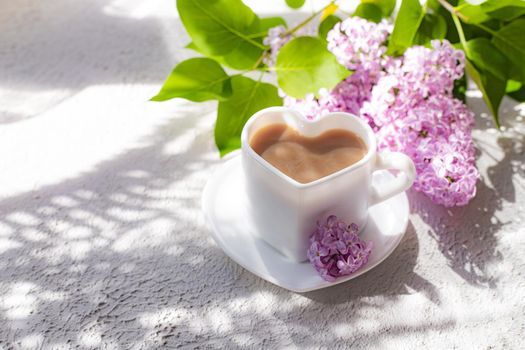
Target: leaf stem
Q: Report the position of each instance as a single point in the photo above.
(456, 14)
(452, 10)
(461, 34)
(259, 60)
(485, 28)
(289, 32)
(260, 77)
(307, 20)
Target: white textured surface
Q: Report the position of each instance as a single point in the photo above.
(102, 243)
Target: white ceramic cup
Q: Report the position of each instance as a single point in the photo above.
(286, 211)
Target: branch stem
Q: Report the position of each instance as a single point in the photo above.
(452, 10)
(461, 34)
(456, 14)
(307, 20)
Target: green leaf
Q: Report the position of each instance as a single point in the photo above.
(249, 96)
(243, 57)
(191, 46)
(452, 32)
(232, 59)
(433, 26)
(487, 58)
(460, 88)
(489, 69)
(512, 86)
(223, 28)
(196, 79)
(472, 13)
(492, 88)
(505, 10)
(295, 4)
(515, 74)
(473, 31)
(518, 95)
(304, 65)
(516, 90)
(369, 12)
(405, 27)
(386, 6)
(434, 5)
(510, 39)
(270, 22)
(327, 25)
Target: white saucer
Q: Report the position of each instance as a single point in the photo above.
(223, 203)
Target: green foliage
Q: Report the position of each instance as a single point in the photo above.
(327, 24)
(504, 10)
(510, 39)
(472, 13)
(270, 22)
(386, 6)
(229, 34)
(512, 86)
(249, 96)
(405, 27)
(235, 59)
(304, 65)
(487, 58)
(516, 90)
(518, 95)
(295, 4)
(460, 88)
(369, 11)
(489, 69)
(492, 33)
(223, 28)
(452, 32)
(491, 86)
(196, 79)
(433, 26)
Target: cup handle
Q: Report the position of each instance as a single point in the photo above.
(402, 182)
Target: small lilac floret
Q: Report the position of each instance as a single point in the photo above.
(336, 249)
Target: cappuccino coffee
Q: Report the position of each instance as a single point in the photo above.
(306, 159)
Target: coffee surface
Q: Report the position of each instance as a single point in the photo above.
(307, 159)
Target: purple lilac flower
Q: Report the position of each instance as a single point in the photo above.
(275, 40)
(408, 102)
(360, 46)
(336, 249)
(413, 111)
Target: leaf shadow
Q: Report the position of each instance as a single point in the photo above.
(120, 256)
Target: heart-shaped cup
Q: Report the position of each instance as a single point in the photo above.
(286, 211)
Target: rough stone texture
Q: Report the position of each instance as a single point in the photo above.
(103, 245)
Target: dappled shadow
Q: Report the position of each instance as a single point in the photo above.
(467, 236)
(120, 256)
(501, 174)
